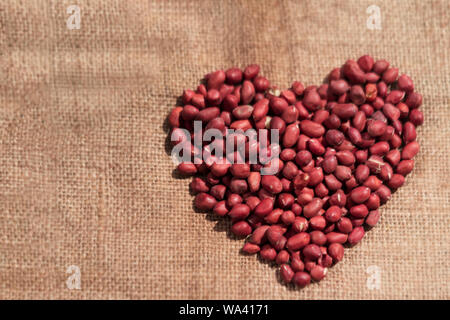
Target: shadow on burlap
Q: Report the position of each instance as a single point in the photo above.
(85, 179)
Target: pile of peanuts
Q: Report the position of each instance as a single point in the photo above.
(344, 147)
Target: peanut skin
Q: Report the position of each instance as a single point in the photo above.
(343, 148)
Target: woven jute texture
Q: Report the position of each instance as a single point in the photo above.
(86, 180)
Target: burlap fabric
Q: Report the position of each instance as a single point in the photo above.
(85, 178)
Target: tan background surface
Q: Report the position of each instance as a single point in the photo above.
(85, 179)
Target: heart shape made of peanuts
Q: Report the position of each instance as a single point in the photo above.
(335, 154)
